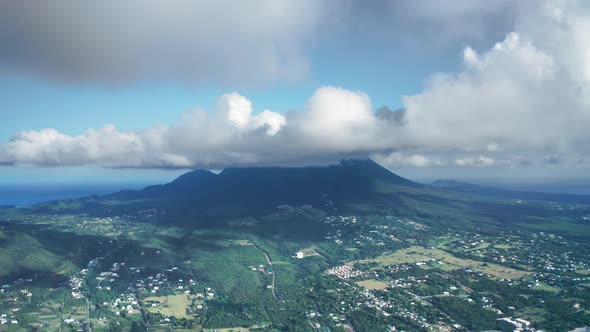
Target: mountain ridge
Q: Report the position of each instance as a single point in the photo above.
(354, 187)
(351, 167)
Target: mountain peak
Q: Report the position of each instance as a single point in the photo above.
(360, 162)
(371, 169)
(255, 190)
(195, 175)
(193, 179)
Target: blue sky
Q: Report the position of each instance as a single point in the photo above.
(488, 89)
(33, 103)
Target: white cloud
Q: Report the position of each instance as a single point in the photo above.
(273, 121)
(529, 92)
(335, 121)
(481, 161)
(338, 119)
(49, 147)
(503, 95)
(236, 109)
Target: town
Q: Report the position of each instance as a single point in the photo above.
(399, 271)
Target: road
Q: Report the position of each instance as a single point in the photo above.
(88, 314)
(269, 261)
(190, 269)
(141, 309)
(61, 310)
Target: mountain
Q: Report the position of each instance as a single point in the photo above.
(507, 193)
(354, 186)
(253, 190)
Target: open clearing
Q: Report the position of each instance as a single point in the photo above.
(171, 305)
(307, 252)
(242, 242)
(372, 284)
(416, 254)
(546, 287)
(480, 246)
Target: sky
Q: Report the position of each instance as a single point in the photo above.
(109, 91)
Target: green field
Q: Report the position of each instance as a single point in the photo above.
(417, 254)
(171, 305)
(372, 284)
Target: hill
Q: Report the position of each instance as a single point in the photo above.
(517, 194)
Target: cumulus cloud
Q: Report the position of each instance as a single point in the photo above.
(515, 101)
(273, 121)
(529, 91)
(237, 111)
(225, 42)
(334, 122)
(337, 119)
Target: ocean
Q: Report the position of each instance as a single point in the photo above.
(29, 194)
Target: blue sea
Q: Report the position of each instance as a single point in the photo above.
(28, 194)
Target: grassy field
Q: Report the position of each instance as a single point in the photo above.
(244, 242)
(307, 252)
(563, 226)
(171, 305)
(546, 287)
(416, 254)
(372, 284)
(480, 246)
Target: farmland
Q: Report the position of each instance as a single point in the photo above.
(171, 305)
(372, 284)
(421, 255)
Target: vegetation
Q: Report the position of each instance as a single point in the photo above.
(375, 252)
